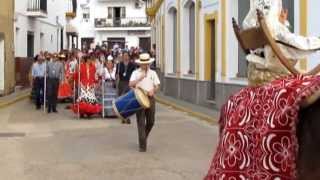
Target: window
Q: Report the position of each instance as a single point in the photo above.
(192, 47)
(110, 12)
(123, 12)
(86, 14)
(17, 39)
(42, 41)
(30, 44)
(289, 4)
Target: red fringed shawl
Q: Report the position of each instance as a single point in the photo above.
(258, 131)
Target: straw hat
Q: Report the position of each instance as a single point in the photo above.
(145, 58)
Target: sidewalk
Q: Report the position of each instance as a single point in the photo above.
(14, 97)
(203, 113)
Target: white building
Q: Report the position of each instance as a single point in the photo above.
(111, 21)
(41, 25)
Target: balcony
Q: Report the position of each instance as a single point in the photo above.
(121, 23)
(37, 8)
(71, 9)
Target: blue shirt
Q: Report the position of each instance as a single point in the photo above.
(38, 70)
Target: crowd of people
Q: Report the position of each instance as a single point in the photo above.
(81, 77)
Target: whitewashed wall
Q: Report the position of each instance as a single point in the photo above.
(48, 26)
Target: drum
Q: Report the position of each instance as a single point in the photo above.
(128, 104)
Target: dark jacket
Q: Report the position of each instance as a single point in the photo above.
(125, 72)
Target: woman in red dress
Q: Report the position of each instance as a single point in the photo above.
(87, 103)
(65, 90)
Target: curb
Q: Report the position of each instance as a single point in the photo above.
(201, 116)
(14, 100)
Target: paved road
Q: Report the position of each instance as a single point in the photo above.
(38, 146)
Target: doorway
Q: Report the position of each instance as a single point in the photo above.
(213, 60)
(42, 41)
(85, 43)
(117, 16)
(145, 43)
(30, 44)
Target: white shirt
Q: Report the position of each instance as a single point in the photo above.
(149, 82)
(109, 75)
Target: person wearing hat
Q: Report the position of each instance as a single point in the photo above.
(148, 80)
(55, 74)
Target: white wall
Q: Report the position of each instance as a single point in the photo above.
(48, 26)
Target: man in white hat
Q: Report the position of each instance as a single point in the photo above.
(148, 80)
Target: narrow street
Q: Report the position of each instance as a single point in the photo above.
(38, 146)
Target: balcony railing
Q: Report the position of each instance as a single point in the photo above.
(72, 8)
(37, 8)
(121, 22)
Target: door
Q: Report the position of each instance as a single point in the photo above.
(86, 42)
(213, 60)
(117, 16)
(61, 39)
(1, 63)
(30, 44)
(145, 43)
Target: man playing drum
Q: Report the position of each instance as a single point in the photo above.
(147, 80)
